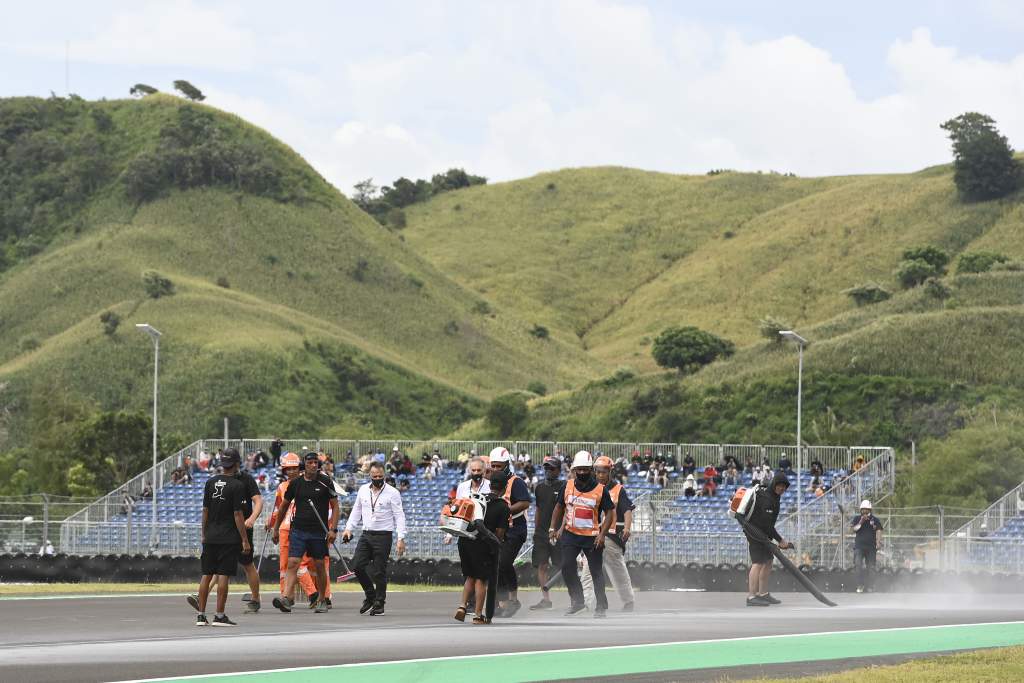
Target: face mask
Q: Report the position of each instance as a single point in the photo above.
(477, 477)
(377, 483)
(551, 474)
(585, 478)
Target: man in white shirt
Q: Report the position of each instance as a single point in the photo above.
(378, 508)
(476, 483)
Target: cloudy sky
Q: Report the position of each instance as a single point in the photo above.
(509, 89)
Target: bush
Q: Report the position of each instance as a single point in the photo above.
(396, 218)
(770, 328)
(540, 332)
(111, 320)
(979, 261)
(223, 282)
(156, 284)
(1014, 266)
(687, 348)
(451, 327)
(508, 415)
(536, 387)
(29, 343)
(866, 294)
(360, 270)
(415, 281)
(482, 308)
(983, 163)
(934, 256)
(550, 187)
(936, 289)
(914, 272)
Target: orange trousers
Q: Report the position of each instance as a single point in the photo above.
(305, 580)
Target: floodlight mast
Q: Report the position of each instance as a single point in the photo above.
(155, 335)
(790, 335)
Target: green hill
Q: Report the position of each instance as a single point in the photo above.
(292, 311)
(608, 257)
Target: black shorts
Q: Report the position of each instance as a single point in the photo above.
(220, 558)
(544, 554)
(759, 552)
(245, 559)
(477, 560)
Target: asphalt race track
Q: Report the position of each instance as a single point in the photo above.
(139, 637)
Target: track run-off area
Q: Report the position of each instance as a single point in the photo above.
(671, 636)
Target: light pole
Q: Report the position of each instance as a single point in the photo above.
(25, 521)
(154, 334)
(792, 336)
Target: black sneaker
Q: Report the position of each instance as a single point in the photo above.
(367, 605)
(194, 601)
(757, 601)
(378, 609)
(772, 600)
(223, 621)
(283, 604)
(313, 600)
(628, 607)
(252, 607)
(201, 620)
(321, 607)
(511, 607)
(600, 613)
(575, 609)
(328, 602)
(543, 604)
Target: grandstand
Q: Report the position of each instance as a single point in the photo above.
(668, 525)
(993, 541)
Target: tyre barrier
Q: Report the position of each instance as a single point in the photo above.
(645, 575)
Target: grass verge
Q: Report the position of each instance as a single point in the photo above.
(998, 664)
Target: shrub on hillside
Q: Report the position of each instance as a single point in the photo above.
(540, 332)
(223, 282)
(361, 268)
(190, 91)
(935, 257)
(482, 308)
(1015, 266)
(156, 285)
(979, 261)
(688, 348)
(28, 343)
(868, 293)
(536, 387)
(396, 218)
(451, 328)
(508, 415)
(936, 289)
(914, 272)
(770, 327)
(141, 90)
(111, 321)
(983, 163)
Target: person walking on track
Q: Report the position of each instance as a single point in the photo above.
(479, 558)
(615, 547)
(517, 495)
(290, 468)
(765, 513)
(545, 553)
(223, 537)
(580, 523)
(252, 508)
(378, 509)
(313, 496)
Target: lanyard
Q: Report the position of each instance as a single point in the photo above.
(373, 501)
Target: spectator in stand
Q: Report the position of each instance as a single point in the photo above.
(648, 461)
(732, 475)
(858, 463)
(463, 459)
(425, 461)
(661, 475)
(380, 457)
(530, 475)
(689, 464)
(190, 466)
(785, 465)
(634, 462)
(407, 467)
(670, 462)
(215, 461)
(350, 483)
(690, 486)
(203, 463)
(178, 475)
(523, 460)
(403, 484)
(262, 459)
(327, 467)
(709, 488)
(147, 491)
(814, 485)
(621, 469)
(363, 463)
(276, 446)
(730, 459)
(659, 458)
(748, 465)
(817, 469)
(263, 482)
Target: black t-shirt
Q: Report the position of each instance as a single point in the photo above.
(546, 493)
(275, 448)
(320, 491)
(867, 534)
(250, 490)
(497, 514)
(222, 497)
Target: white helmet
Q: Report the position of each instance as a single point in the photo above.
(499, 454)
(582, 459)
(865, 504)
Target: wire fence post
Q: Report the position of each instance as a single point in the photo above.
(654, 533)
(942, 535)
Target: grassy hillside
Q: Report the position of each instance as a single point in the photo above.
(322, 320)
(609, 257)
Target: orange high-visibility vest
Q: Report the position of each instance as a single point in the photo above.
(278, 502)
(508, 498)
(582, 509)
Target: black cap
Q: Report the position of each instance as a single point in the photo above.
(311, 455)
(229, 457)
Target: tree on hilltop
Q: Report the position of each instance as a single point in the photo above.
(983, 163)
(189, 91)
(687, 349)
(141, 90)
